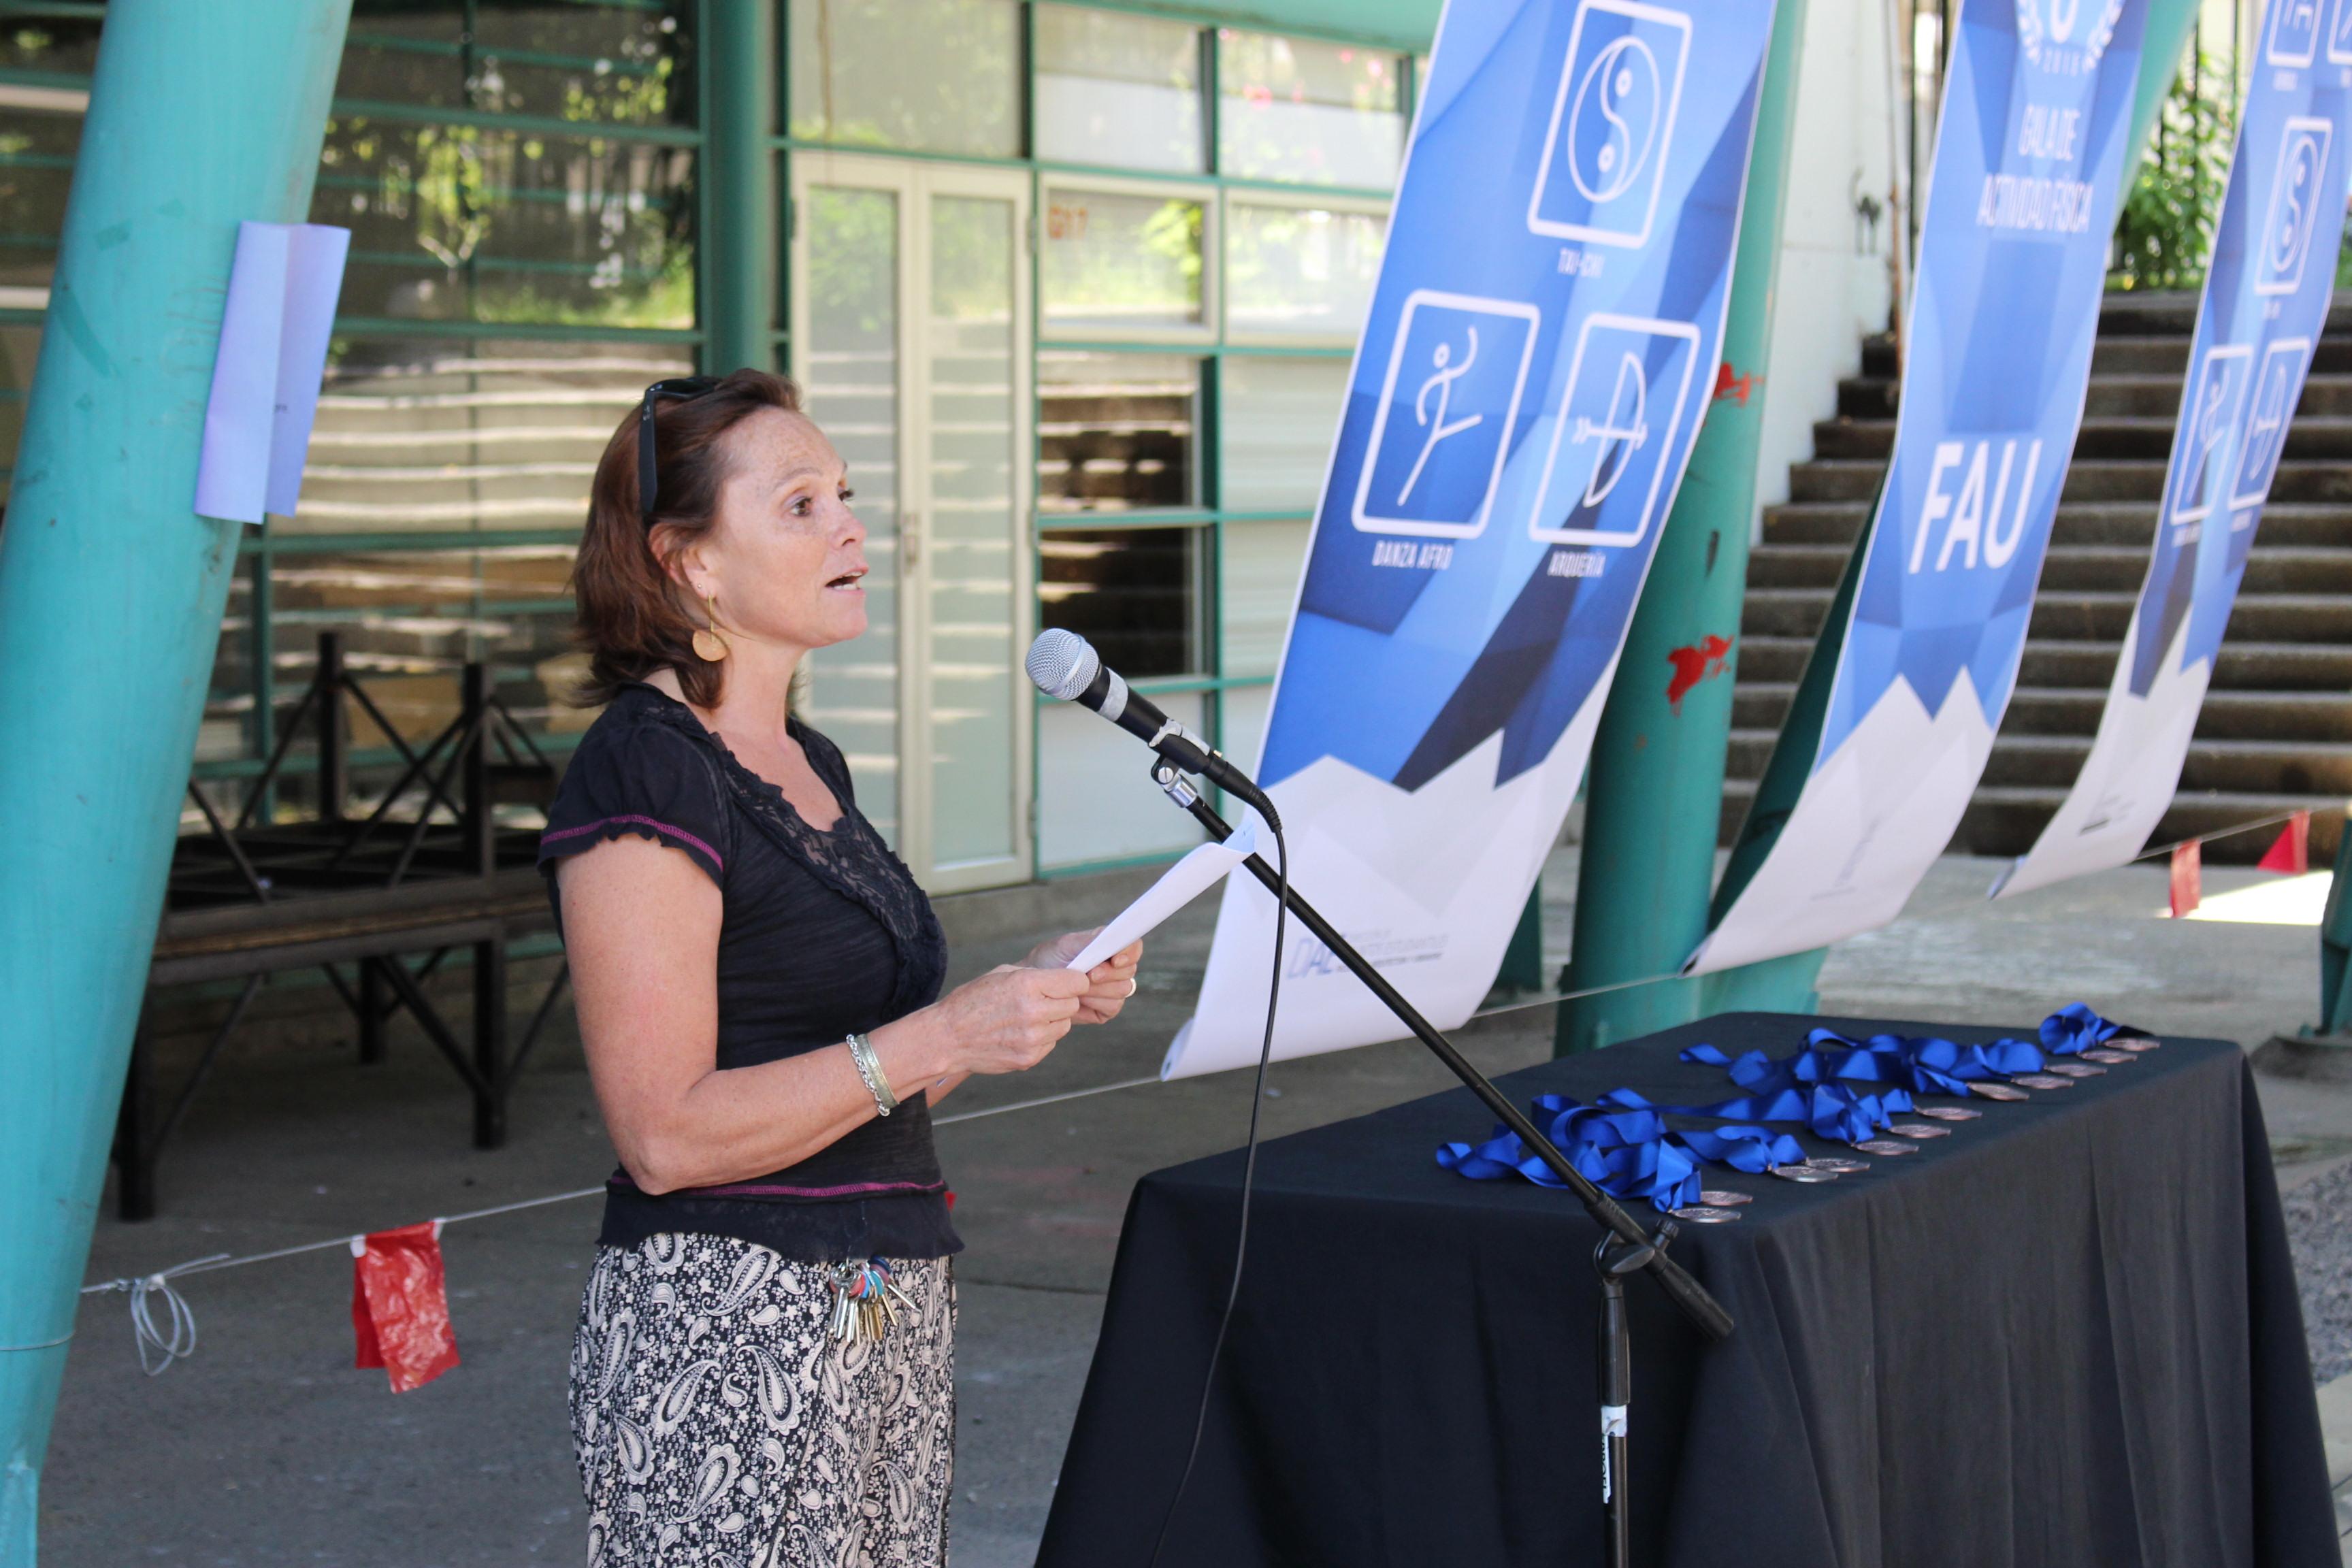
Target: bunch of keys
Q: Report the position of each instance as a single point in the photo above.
(863, 1298)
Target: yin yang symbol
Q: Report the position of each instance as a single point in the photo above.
(1613, 128)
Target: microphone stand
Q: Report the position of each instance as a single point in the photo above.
(1625, 1249)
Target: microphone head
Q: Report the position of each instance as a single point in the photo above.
(1063, 664)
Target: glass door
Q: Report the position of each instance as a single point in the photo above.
(910, 333)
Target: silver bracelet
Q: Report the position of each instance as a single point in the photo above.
(870, 1067)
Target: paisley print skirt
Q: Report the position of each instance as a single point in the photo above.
(717, 1424)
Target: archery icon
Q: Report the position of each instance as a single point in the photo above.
(1621, 432)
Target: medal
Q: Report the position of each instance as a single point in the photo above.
(1887, 1146)
(1948, 1112)
(2041, 1080)
(1807, 1174)
(1838, 1166)
(2074, 1069)
(1703, 1216)
(2135, 1044)
(1999, 1090)
(2112, 1058)
(1723, 1198)
(1920, 1129)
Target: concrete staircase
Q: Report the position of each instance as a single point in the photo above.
(2276, 730)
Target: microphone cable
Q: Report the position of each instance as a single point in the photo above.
(1249, 1182)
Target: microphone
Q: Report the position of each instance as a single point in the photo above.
(1065, 664)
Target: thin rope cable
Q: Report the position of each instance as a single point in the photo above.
(1049, 1099)
(1249, 1183)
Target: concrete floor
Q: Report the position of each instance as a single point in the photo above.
(266, 1448)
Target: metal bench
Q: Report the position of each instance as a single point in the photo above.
(247, 901)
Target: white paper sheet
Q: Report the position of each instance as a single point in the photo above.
(1184, 882)
(280, 313)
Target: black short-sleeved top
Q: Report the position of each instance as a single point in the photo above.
(823, 934)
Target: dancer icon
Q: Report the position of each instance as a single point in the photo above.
(1443, 374)
(2200, 458)
(1458, 368)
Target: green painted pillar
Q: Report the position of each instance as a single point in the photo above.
(1653, 798)
(110, 599)
(739, 264)
(1651, 822)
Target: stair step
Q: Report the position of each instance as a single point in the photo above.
(2005, 820)
(2051, 762)
(2097, 480)
(2142, 438)
(2276, 767)
(2248, 665)
(2132, 523)
(2065, 615)
(2289, 717)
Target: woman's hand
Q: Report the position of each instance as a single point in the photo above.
(1008, 1020)
(1108, 983)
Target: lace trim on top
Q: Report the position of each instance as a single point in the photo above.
(851, 857)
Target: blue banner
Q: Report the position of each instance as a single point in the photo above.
(1542, 345)
(2267, 288)
(2029, 153)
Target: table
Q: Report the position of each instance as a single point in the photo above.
(2066, 1336)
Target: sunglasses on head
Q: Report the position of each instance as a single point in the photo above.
(648, 479)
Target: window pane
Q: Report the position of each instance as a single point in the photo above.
(935, 76)
(48, 44)
(411, 619)
(851, 362)
(973, 529)
(1118, 262)
(1300, 271)
(1134, 593)
(1277, 418)
(456, 223)
(1260, 563)
(424, 435)
(1241, 724)
(1095, 800)
(19, 347)
(1294, 109)
(40, 129)
(620, 64)
(1117, 90)
(1115, 431)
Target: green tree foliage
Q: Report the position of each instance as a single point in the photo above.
(2165, 230)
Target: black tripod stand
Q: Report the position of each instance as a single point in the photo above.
(1626, 1249)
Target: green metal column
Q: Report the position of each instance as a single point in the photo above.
(739, 267)
(110, 598)
(1653, 798)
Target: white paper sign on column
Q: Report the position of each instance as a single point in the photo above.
(282, 289)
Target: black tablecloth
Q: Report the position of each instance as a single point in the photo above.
(2066, 1336)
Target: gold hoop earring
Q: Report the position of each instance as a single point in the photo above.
(708, 646)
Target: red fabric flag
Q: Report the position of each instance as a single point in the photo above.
(2188, 877)
(2292, 853)
(399, 1305)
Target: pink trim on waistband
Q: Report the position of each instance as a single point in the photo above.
(545, 838)
(767, 1190)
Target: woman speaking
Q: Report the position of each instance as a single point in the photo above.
(765, 1368)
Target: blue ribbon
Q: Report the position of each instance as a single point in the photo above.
(1622, 1144)
(2075, 1028)
(1906, 1065)
(1804, 1089)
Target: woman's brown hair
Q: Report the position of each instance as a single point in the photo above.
(632, 620)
